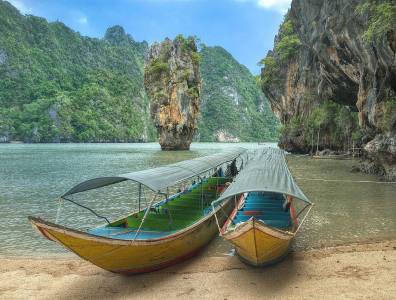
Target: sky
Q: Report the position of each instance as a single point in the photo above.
(245, 28)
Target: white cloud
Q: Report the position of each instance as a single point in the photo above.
(82, 20)
(21, 6)
(280, 6)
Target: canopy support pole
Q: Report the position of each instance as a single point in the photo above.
(145, 215)
(222, 210)
(217, 185)
(303, 220)
(300, 212)
(217, 220)
(59, 210)
(201, 193)
(225, 214)
(140, 194)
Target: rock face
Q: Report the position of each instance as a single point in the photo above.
(172, 81)
(232, 104)
(334, 62)
(225, 137)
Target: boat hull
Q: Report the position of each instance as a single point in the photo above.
(139, 256)
(257, 244)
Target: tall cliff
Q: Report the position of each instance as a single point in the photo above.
(232, 106)
(173, 83)
(331, 79)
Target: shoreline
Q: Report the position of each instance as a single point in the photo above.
(207, 252)
(68, 255)
(130, 142)
(359, 270)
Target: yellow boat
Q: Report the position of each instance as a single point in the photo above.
(164, 233)
(264, 221)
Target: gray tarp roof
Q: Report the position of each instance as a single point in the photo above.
(266, 171)
(162, 177)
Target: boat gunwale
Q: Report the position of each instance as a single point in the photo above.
(270, 190)
(256, 224)
(41, 223)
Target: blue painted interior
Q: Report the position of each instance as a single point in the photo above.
(124, 233)
(270, 207)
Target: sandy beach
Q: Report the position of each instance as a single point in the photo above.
(355, 271)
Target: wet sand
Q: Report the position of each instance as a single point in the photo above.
(356, 271)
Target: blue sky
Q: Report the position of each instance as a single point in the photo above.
(246, 28)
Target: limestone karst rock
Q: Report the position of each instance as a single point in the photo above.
(172, 81)
(333, 61)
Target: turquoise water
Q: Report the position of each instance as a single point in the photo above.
(345, 210)
(32, 177)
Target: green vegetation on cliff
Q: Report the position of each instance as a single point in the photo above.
(56, 85)
(231, 100)
(388, 123)
(329, 125)
(287, 44)
(381, 18)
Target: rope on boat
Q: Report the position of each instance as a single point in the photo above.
(350, 181)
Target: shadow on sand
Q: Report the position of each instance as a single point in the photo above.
(200, 275)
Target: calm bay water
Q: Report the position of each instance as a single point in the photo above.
(32, 177)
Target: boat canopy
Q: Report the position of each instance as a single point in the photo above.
(160, 178)
(266, 171)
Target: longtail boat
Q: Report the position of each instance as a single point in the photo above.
(264, 220)
(167, 231)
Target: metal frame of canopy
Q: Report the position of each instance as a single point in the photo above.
(165, 176)
(158, 179)
(266, 171)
